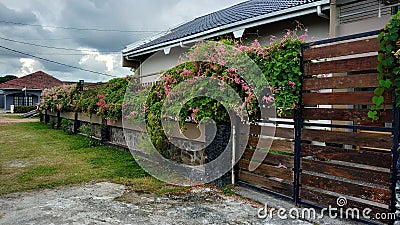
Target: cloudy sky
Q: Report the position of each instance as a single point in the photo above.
(88, 34)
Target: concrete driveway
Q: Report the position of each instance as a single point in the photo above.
(109, 203)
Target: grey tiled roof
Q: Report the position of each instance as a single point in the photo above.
(236, 13)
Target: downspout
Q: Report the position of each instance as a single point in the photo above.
(332, 22)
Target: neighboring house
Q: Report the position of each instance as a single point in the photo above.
(258, 19)
(26, 90)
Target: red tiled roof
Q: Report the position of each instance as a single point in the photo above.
(37, 80)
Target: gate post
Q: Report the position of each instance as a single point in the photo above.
(395, 162)
(298, 125)
(76, 123)
(58, 120)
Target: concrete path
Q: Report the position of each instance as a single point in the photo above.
(98, 204)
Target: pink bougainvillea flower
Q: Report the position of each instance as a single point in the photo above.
(268, 99)
(243, 48)
(291, 83)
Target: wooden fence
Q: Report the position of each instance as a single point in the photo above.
(334, 151)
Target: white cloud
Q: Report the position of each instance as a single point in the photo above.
(153, 15)
(28, 66)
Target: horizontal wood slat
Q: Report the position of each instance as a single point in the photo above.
(342, 49)
(269, 171)
(342, 66)
(341, 187)
(271, 158)
(279, 132)
(352, 173)
(325, 199)
(353, 81)
(358, 115)
(278, 145)
(342, 98)
(365, 157)
(265, 182)
(350, 138)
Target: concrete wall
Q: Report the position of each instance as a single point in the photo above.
(362, 26)
(360, 16)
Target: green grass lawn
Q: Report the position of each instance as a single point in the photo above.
(33, 156)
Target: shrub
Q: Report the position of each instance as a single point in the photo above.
(67, 126)
(89, 133)
(23, 109)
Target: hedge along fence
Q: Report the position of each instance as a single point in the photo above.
(279, 62)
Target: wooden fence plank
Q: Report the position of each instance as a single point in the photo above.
(326, 199)
(279, 131)
(349, 172)
(358, 115)
(264, 182)
(271, 158)
(278, 145)
(341, 82)
(342, 66)
(350, 138)
(341, 187)
(342, 49)
(342, 98)
(269, 171)
(378, 159)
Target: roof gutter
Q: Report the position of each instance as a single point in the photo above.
(252, 22)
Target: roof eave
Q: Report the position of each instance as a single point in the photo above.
(252, 22)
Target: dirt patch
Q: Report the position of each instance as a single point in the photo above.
(17, 163)
(4, 119)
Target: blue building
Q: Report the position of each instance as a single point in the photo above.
(26, 90)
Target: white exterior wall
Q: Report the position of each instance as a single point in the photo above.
(318, 29)
(160, 62)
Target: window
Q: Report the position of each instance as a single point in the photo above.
(22, 101)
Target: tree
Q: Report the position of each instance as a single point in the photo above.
(7, 78)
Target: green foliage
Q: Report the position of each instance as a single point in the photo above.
(279, 63)
(87, 130)
(67, 126)
(7, 78)
(106, 100)
(226, 190)
(23, 109)
(388, 67)
(52, 122)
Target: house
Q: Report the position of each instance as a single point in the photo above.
(26, 90)
(257, 19)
